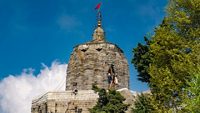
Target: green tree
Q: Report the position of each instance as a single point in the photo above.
(143, 104)
(109, 101)
(170, 65)
(173, 53)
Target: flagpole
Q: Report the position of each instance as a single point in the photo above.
(99, 16)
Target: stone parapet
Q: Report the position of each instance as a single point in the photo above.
(65, 102)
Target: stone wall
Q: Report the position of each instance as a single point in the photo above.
(65, 102)
(89, 63)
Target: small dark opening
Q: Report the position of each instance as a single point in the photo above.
(84, 50)
(78, 110)
(74, 83)
(99, 49)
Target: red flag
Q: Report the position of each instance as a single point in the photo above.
(98, 6)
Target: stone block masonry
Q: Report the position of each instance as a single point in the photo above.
(65, 102)
(89, 63)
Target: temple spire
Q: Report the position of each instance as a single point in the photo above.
(99, 19)
(98, 35)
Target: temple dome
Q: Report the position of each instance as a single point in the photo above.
(90, 62)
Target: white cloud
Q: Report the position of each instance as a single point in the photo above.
(17, 91)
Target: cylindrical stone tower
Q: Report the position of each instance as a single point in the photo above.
(90, 63)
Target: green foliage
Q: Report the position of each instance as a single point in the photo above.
(109, 101)
(171, 56)
(143, 104)
(175, 51)
(170, 65)
(141, 61)
(191, 101)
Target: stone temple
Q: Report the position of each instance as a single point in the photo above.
(90, 62)
(95, 62)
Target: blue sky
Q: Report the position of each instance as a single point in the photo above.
(42, 31)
